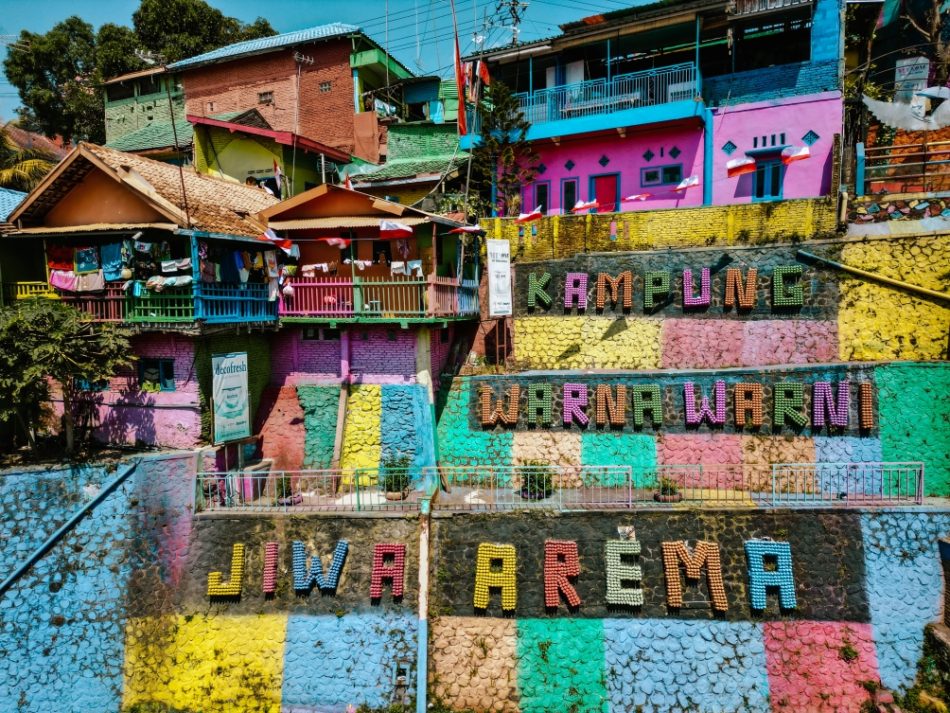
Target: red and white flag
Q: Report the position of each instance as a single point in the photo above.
(528, 217)
(466, 229)
(278, 179)
(483, 73)
(336, 242)
(584, 205)
(638, 197)
(795, 153)
(283, 244)
(347, 183)
(740, 166)
(687, 183)
(391, 230)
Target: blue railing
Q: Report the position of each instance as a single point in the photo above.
(241, 302)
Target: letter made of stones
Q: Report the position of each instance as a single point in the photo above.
(503, 578)
(561, 564)
(540, 398)
(704, 298)
(705, 554)
(269, 579)
(715, 417)
(536, 292)
(645, 399)
(736, 290)
(491, 413)
(609, 409)
(787, 290)
(624, 578)
(307, 577)
(748, 405)
(823, 404)
(760, 578)
(655, 283)
(789, 405)
(575, 403)
(621, 288)
(217, 587)
(394, 571)
(575, 291)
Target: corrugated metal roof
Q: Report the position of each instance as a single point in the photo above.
(9, 199)
(265, 44)
(156, 135)
(343, 222)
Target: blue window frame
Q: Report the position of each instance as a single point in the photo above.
(661, 175)
(569, 194)
(768, 181)
(157, 374)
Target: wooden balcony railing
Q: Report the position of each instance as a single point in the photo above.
(379, 298)
(108, 306)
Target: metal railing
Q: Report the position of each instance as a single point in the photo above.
(379, 298)
(600, 96)
(907, 168)
(330, 490)
(565, 488)
(242, 302)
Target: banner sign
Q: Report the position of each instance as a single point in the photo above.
(230, 398)
(499, 278)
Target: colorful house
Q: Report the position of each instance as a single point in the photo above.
(670, 105)
(145, 114)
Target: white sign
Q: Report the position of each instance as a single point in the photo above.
(230, 399)
(499, 278)
(910, 75)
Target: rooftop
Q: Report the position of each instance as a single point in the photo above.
(266, 44)
(148, 72)
(9, 199)
(156, 135)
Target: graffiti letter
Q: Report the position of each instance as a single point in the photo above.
(561, 564)
(487, 577)
(217, 588)
(307, 577)
(395, 571)
(706, 554)
(781, 576)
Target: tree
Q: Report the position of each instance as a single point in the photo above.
(115, 51)
(177, 29)
(22, 168)
(42, 338)
(504, 154)
(934, 27)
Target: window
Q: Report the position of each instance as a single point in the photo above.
(568, 194)
(150, 85)
(321, 334)
(86, 385)
(542, 193)
(114, 92)
(265, 97)
(382, 252)
(157, 374)
(443, 336)
(768, 181)
(661, 175)
(326, 86)
(210, 106)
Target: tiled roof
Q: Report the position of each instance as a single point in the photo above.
(156, 135)
(31, 140)
(266, 44)
(9, 199)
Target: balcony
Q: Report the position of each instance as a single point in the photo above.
(646, 97)
(358, 299)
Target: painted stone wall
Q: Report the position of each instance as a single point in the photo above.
(384, 421)
(815, 656)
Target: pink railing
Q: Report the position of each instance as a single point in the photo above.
(106, 306)
(443, 296)
(328, 296)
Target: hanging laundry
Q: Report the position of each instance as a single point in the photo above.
(243, 274)
(87, 259)
(169, 266)
(202, 249)
(209, 271)
(273, 289)
(270, 257)
(402, 247)
(63, 280)
(143, 247)
(397, 268)
(127, 252)
(59, 257)
(415, 267)
(112, 261)
(257, 261)
(183, 264)
(229, 267)
(156, 283)
(91, 282)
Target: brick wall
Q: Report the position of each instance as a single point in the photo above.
(778, 82)
(440, 350)
(296, 360)
(382, 351)
(323, 116)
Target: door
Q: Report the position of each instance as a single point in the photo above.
(768, 181)
(606, 190)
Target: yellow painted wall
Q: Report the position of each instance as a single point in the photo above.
(362, 441)
(584, 343)
(205, 662)
(877, 321)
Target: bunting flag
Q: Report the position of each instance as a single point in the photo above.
(584, 205)
(686, 183)
(283, 244)
(740, 166)
(483, 73)
(459, 78)
(391, 230)
(528, 217)
(638, 197)
(795, 153)
(336, 242)
(279, 179)
(466, 229)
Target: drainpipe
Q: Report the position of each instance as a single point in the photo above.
(51, 541)
(422, 639)
(707, 156)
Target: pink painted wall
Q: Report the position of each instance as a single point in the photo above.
(626, 158)
(821, 113)
(297, 360)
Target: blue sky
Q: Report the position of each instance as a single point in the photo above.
(419, 30)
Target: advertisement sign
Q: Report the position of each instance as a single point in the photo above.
(910, 75)
(231, 403)
(499, 278)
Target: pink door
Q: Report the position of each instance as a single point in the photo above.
(605, 191)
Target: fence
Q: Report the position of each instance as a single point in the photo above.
(106, 306)
(235, 303)
(336, 490)
(908, 168)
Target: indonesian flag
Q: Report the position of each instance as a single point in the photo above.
(348, 184)
(483, 73)
(584, 205)
(335, 242)
(278, 178)
(466, 229)
(739, 166)
(284, 245)
(391, 230)
(795, 153)
(459, 78)
(528, 217)
(687, 183)
(638, 197)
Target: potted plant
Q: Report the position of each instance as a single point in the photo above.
(395, 478)
(669, 491)
(285, 492)
(537, 482)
